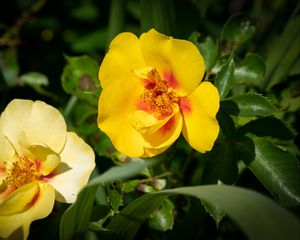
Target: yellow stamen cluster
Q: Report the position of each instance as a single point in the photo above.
(158, 97)
(22, 172)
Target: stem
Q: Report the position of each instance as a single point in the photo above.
(116, 19)
(156, 177)
(158, 14)
(71, 103)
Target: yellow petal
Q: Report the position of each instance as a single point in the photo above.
(116, 104)
(178, 61)
(40, 122)
(17, 225)
(47, 159)
(123, 56)
(200, 127)
(146, 122)
(77, 164)
(7, 155)
(19, 200)
(164, 136)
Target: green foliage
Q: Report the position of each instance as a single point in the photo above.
(283, 52)
(236, 30)
(224, 80)
(277, 169)
(208, 48)
(256, 214)
(250, 71)
(252, 59)
(80, 78)
(162, 218)
(248, 105)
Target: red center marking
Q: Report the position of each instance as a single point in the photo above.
(35, 197)
(171, 79)
(185, 105)
(168, 126)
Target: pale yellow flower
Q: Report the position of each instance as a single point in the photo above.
(152, 92)
(40, 162)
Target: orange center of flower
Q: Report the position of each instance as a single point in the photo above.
(158, 97)
(22, 172)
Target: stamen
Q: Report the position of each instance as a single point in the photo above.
(158, 97)
(22, 172)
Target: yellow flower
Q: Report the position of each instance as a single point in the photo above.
(152, 92)
(40, 162)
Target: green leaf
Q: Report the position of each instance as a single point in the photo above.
(9, 67)
(162, 218)
(36, 80)
(283, 52)
(224, 80)
(248, 105)
(221, 165)
(258, 216)
(115, 199)
(226, 124)
(79, 78)
(265, 126)
(236, 30)
(250, 71)
(75, 219)
(77, 216)
(214, 211)
(277, 169)
(208, 48)
(129, 186)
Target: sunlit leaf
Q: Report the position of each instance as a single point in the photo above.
(162, 218)
(248, 105)
(277, 169)
(236, 30)
(250, 71)
(208, 48)
(225, 78)
(37, 81)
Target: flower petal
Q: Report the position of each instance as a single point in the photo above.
(40, 122)
(164, 136)
(19, 200)
(7, 154)
(17, 225)
(145, 122)
(47, 159)
(77, 163)
(114, 115)
(200, 127)
(123, 56)
(179, 61)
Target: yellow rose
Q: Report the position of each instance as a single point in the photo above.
(152, 91)
(40, 162)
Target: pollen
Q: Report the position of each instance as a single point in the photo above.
(23, 171)
(158, 97)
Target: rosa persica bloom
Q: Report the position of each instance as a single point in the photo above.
(40, 162)
(152, 91)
